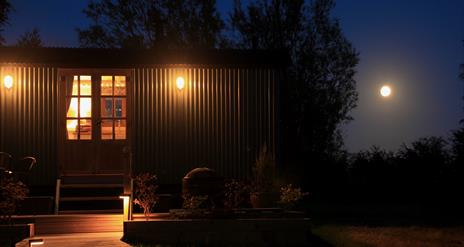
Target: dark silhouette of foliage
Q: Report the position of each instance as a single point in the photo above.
(145, 192)
(30, 39)
(320, 89)
(237, 194)
(425, 160)
(5, 8)
(12, 192)
(457, 141)
(372, 167)
(420, 171)
(150, 23)
(456, 173)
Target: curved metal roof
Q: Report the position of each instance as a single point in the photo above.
(124, 58)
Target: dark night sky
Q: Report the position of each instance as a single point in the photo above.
(415, 46)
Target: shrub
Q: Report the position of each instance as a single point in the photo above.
(12, 192)
(195, 202)
(237, 194)
(290, 195)
(145, 192)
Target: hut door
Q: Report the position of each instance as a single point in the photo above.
(111, 124)
(95, 124)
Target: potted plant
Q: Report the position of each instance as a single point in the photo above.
(264, 191)
(145, 192)
(12, 192)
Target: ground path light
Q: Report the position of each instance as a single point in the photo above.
(36, 241)
(126, 206)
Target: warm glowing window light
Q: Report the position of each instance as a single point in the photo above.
(180, 83)
(8, 81)
(79, 108)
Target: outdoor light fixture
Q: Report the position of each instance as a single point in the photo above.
(180, 83)
(8, 81)
(126, 207)
(36, 241)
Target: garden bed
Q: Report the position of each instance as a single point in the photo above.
(280, 231)
(10, 234)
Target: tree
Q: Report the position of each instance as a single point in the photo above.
(320, 89)
(372, 168)
(30, 39)
(152, 23)
(5, 9)
(424, 165)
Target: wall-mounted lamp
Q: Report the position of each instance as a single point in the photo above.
(180, 83)
(8, 81)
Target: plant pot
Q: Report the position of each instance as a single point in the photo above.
(264, 199)
(11, 234)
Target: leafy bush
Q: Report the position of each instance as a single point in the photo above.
(237, 194)
(290, 195)
(145, 192)
(12, 192)
(195, 202)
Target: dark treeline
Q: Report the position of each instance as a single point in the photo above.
(428, 169)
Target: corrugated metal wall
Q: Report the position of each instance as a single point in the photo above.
(220, 119)
(28, 118)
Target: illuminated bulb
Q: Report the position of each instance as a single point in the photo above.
(385, 91)
(180, 82)
(8, 81)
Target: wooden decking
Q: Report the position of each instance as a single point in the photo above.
(105, 239)
(74, 223)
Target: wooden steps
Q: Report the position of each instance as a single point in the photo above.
(89, 194)
(89, 198)
(90, 185)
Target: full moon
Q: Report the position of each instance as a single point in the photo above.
(385, 91)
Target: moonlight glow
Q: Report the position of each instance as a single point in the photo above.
(385, 91)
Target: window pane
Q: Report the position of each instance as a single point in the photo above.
(85, 129)
(72, 86)
(120, 107)
(107, 130)
(85, 107)
(119, 85)
(71, 127)
(107, 107)
(86, 84)
(106, 85)
(72, 107)
(120, 129)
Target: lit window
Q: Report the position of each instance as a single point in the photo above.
(79, 108)
(113, 107)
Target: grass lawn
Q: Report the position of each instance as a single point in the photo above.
(407, 236)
